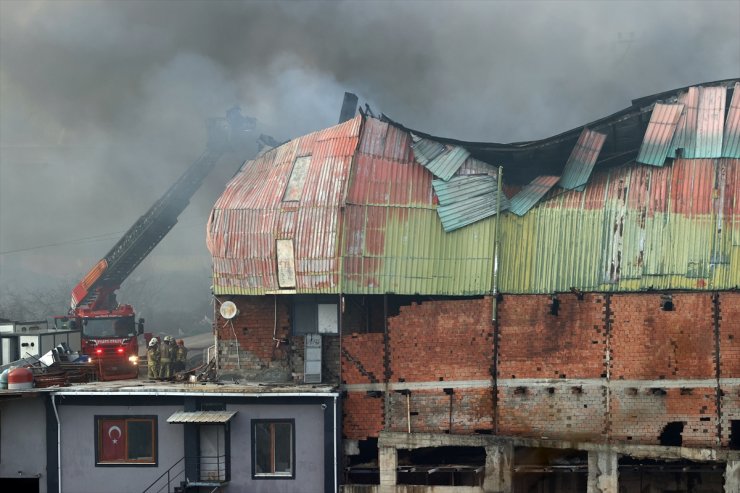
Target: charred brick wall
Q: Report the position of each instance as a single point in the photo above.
(362, 363)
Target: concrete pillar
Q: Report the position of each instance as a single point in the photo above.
(732, 476)
(602, 472)
(498, 468)
(388, 463)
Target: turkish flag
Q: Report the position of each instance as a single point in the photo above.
(112, 440)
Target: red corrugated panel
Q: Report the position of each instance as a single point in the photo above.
(250, 215)
(692, 186)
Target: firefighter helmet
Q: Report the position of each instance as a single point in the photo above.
(153, 341)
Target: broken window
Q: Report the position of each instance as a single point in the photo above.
(294, 190)
(455, 466)
(671, 434)
(273, 450)
(126, 440)
(285, 264)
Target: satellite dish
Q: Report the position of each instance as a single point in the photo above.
(228, 310)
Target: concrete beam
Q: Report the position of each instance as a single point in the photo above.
(603, 472)
(499, 461)
(412, 441)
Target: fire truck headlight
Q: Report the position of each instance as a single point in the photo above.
(134, 359)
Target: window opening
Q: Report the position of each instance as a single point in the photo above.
(735, 434)
(273, 449)
(126, 440)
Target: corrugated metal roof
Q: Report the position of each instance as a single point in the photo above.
(731, 141)
(443, 161)
(582, 160)
(528, 197)
(202, 417)
(710, 123)
(659, 134)
(685, 136)
(251, 215)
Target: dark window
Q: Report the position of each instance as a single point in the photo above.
(273, 449)
(125, 440)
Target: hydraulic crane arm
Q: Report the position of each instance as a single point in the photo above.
(95, 291)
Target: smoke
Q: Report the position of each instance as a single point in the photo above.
(102, 104)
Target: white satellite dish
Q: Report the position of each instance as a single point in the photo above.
(228, 310)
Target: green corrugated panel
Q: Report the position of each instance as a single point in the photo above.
(419, 257)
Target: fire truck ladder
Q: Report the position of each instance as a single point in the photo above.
(150, 228)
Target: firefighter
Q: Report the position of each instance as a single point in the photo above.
(165, 370)
(153, 358)
(182, 355)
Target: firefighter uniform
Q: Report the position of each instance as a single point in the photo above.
(165, 370)
(153, 358)
(182, 356)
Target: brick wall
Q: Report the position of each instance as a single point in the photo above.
(729, 337)
(552, 369)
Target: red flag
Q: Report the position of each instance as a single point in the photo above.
(112, 440)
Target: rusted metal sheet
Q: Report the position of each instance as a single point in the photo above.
(251, 215)
(659, 134)
(731, 140)
(528, 197)
(582, 160)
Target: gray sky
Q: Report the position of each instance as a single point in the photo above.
(102, 104)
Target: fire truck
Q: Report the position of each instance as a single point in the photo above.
(110, 330)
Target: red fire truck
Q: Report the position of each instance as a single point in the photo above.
(110, 330)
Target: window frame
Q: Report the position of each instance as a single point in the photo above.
(294, 187)
(148, 462)
(291, 422)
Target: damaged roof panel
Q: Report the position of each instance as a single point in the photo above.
(528, 197)
(685, 137)
(582, 160)
(473, 209)
(443, 161)
(659, 134)
(731, 141)
(461, 188)
(710, 123)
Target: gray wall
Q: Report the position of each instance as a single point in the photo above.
(309, 443)
(23, 439)
(79, 473)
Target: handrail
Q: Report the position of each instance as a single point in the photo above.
(166, 473)
(209, 461)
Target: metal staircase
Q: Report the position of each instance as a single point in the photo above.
(210, 472)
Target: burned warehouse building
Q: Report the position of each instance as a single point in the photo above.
(552, 315)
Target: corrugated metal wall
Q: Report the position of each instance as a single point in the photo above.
(634, 227)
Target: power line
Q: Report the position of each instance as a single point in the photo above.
(105, 236)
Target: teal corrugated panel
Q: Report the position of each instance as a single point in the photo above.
(731, 141)
(582, 160)
(659, 134)
(528, 197)
(710, 122)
